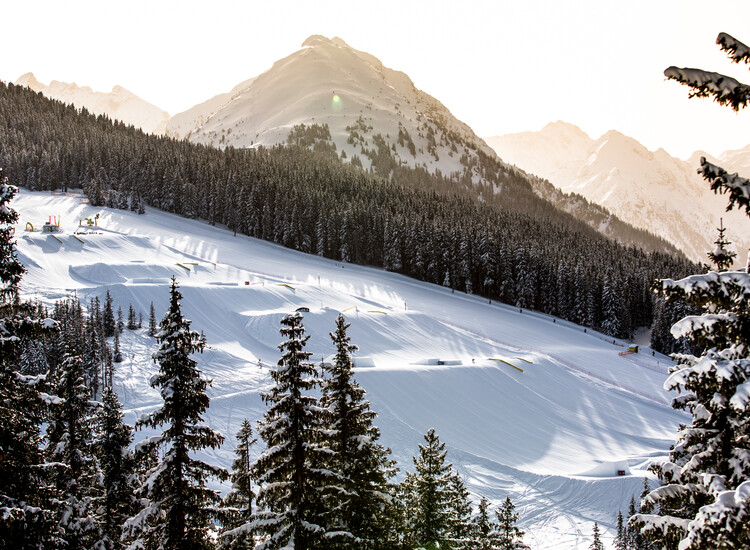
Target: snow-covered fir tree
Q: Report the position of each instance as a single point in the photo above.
(151, 321)
(113, 437)
(177, 506)
(621, 536)
(483, 526)
(25, 518)
(74, 471)
(238, 504)
(132, 318)
(432, 493)
(358, 510)
(289, 474)
(11, 270)
(704, 500)
(721, 256)
(597, 543)
(108, 317)
(507, 536)
(459, 508)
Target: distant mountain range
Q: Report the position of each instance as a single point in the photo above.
(644, 188)
(119, 104)
(375, 117)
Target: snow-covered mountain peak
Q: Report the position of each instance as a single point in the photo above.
(367, 107)
(29, 80)
(120, 103)
(646, 189)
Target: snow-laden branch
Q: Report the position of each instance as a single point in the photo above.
(723, 182)
(724, 89)
(737, 51)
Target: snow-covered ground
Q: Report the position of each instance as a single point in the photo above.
(528, 405)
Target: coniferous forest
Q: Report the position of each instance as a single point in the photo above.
(513, 247)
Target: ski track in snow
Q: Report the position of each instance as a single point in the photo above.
(576, 407)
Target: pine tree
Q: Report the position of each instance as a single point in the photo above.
(432, 493)
(288, 474)
(597, 543)
(178, 507)
(111, 446)
(704, 500)
(238, 503)
(357, 509)
(151, 321)
(508, 536)
(70, 448)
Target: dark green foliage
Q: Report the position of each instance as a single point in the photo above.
(432, 493)
(178, 507)
(132, 318)
(238, 504)
(703, 501)
(508, 536)
(358, 508)
(151, 321)
(721, 257)
(11, 269)
(24, 522)
(597, 543)
(108, 319)
(73, 469)
(290, 474)
(621, 538)
(116, 463)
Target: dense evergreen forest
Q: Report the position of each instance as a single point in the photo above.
(515, 248)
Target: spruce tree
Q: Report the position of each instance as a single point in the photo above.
(11, 270)
(108, 317)
(132, 318)
(597, 543)
(151, 321)
(120, 320)
(117, 353)
(483, 526)
(721, 256)
(704, 500)
(288, 474)
(459, 509)
(74, 470)
(238, 504)
(111, 445)
(621, 538)
(432, 493)
(25, 517)
(507, 535)
(357, 508)
(178, 508)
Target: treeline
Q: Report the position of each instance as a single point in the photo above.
(513, 247)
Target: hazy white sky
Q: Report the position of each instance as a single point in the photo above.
(501, 66)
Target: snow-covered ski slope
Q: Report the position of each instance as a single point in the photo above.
(527, 405)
